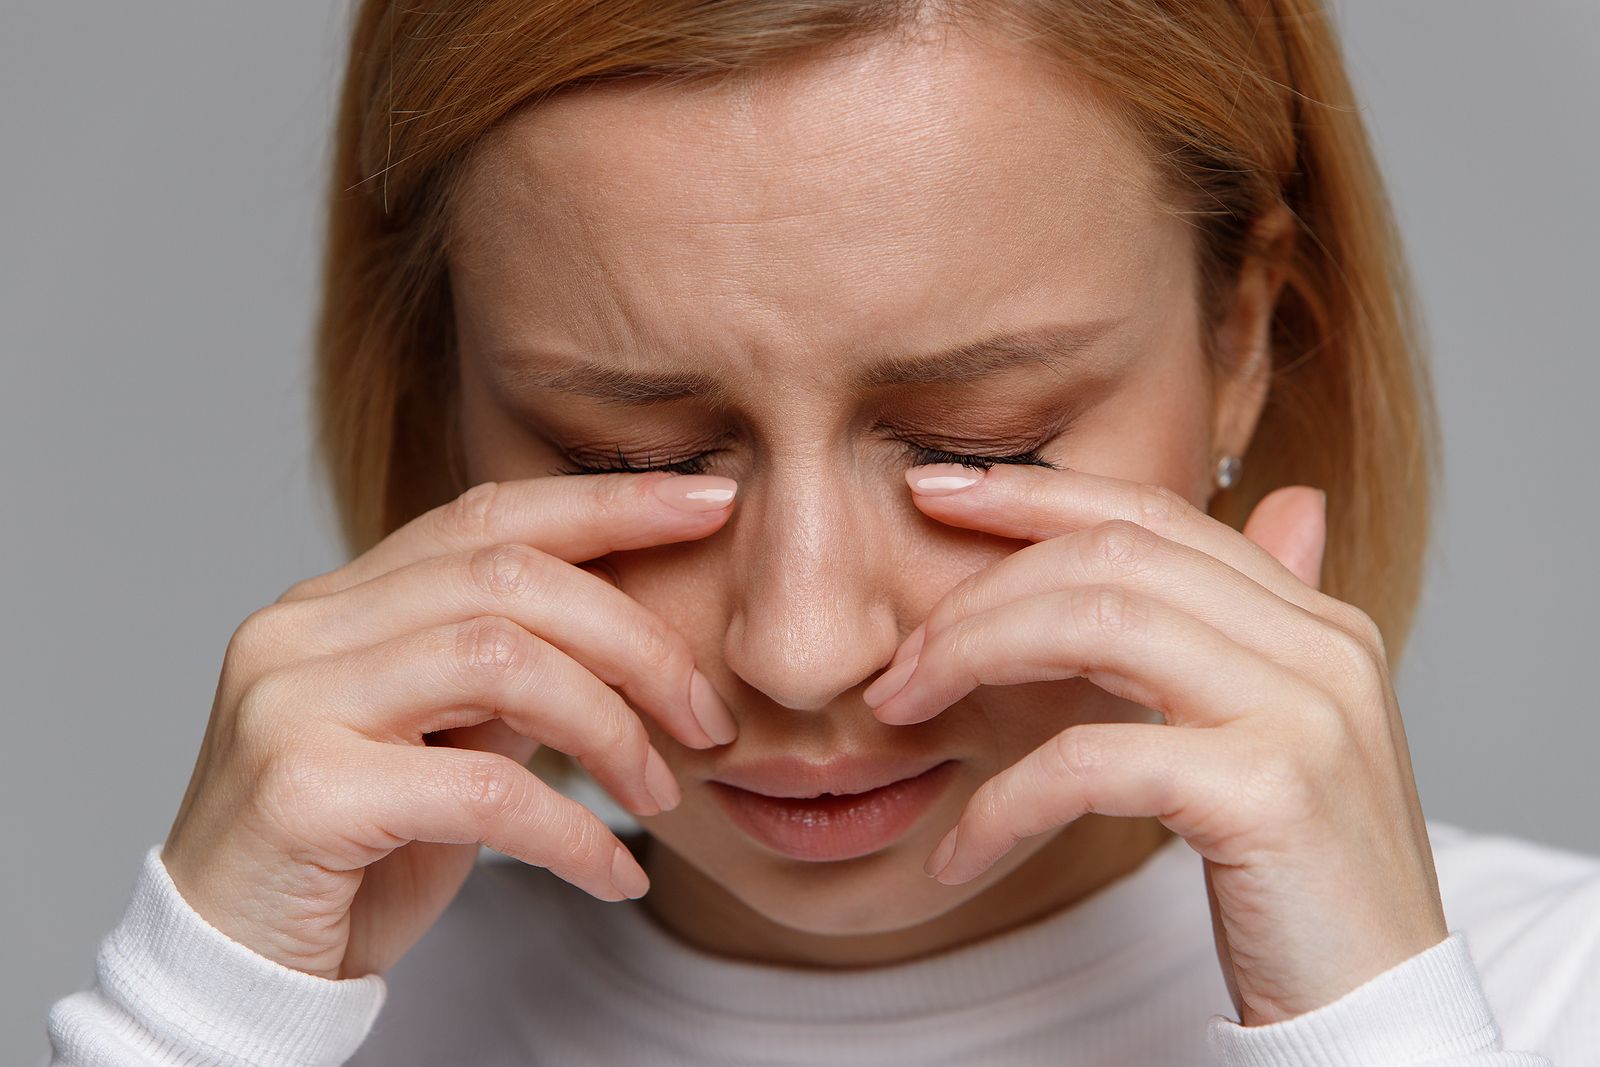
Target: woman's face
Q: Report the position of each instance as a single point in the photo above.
(798, 242)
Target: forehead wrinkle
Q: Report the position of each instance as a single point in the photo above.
(1049, 346)
(661, 231)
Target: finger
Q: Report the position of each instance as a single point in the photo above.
(1128, 769)
(1292, 525)
(469, 672)
(1128, 644)
(457, 796)
(491, 735)
(623, 643)
(1035, 503)
(1119, 552)
(572, 517)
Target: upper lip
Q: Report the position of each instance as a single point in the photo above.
(800, 779)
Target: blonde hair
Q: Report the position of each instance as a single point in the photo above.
(1245, 104)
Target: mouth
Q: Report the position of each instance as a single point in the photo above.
(828, 813)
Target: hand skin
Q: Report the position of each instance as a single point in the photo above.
(370, 727)
(1282, 759)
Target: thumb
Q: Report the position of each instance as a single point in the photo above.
(1292, 524)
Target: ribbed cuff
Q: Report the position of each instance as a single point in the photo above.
(192, 991)
(1426, 1009)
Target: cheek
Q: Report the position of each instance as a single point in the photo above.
(1000, 725)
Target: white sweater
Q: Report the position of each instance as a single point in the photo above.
(523, 969)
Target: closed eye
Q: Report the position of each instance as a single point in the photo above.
(696, 464)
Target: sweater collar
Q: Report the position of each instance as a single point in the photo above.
(1124, 934)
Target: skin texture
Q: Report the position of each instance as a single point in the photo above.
(782, 233)
(1104, 663)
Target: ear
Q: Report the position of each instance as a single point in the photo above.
(1244, 334)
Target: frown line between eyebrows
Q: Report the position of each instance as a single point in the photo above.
(1053, 345)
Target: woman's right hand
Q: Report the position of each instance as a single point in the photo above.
(370, 727)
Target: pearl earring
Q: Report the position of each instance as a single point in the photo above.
(1228, 468)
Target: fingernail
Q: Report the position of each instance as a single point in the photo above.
(941, 479)
(889, 682)
(709, 710)
(627, 876)
(940, 859)
(911, 645)
(659, 781)
(696, 492)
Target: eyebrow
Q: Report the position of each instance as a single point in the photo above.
(1050, 345)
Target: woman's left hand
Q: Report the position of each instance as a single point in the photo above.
(1282, 760)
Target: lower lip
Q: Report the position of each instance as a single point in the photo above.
(834, 827)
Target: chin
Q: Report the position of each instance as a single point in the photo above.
(877, 894)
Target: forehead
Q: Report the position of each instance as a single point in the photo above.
(896, 191)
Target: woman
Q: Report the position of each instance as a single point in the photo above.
(957, 475)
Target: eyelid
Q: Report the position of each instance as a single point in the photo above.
(922, 454)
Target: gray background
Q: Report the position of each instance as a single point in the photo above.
(162, 168)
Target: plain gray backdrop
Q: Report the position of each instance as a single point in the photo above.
(163, 165)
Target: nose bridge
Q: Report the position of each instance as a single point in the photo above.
(813, 613)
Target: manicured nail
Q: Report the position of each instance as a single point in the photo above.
(911, 645)
(696, 492)
(627, 877)
(941, 479)
(709, 710)
(889, 682)
(659, 781)
(940, 859)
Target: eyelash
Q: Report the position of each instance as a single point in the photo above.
(696, 464)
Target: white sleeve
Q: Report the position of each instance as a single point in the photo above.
(172, 989)
(1427, 1010)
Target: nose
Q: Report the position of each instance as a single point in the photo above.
(813, 593)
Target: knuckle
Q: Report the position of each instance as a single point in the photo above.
(614, 737)
(988, 806)
(296, 788)
(472, 514)
(1290, 780)
(504, 571)
(1349, 654)
(616, 495)
(1364, 627)
(1276, 784)
(658, 653)
(304, 589)
(491, 789)
(1120, 546)
(588, 842)
(1347, 616)
(967, 598)
(959, 644)
(259, 708)
(1330, 741)
(1161, 508)
(489, 647)
(1107, 609)
(254, 637)
(1073, 753)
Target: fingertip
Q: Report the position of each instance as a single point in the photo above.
(627, 877)
(889, 683)
(943, 479)
(912, 645)
(710, 712)
(697, 494)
